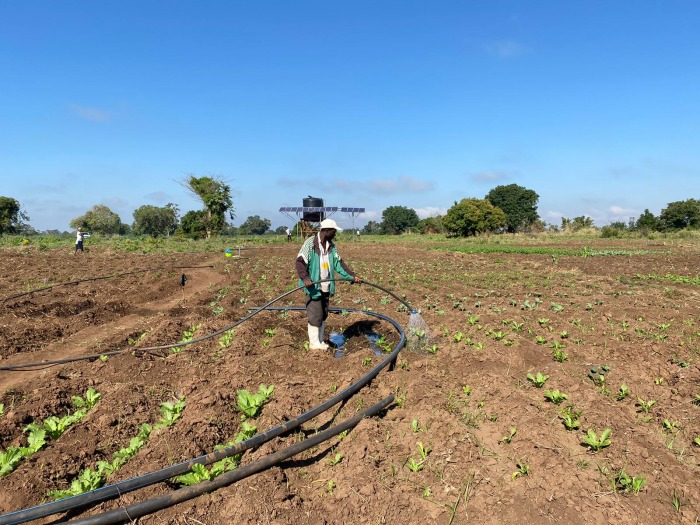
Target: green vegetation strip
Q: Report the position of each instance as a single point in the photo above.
(541, 250)
(90, 479)
(51, 428)
(671, 277)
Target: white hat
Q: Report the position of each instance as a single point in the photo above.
(330, 224)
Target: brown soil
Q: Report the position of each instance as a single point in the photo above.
(646, 330)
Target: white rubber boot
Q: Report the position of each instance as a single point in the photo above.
(321, 336)
(314, 341)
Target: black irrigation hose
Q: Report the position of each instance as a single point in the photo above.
(43, 364)
(131, 512)
(116, 489)
(69, 283)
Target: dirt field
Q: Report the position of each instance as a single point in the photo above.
(495, 449)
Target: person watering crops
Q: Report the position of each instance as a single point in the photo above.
(79, 235)
(318, 259)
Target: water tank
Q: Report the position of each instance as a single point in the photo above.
(313, 216)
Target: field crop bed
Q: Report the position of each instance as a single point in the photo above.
(470, 435)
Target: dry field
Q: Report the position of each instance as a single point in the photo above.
(477, 431)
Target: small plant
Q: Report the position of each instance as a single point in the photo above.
(418, 465)
(626, 483)
(596, 442)
(87, 480)
(696, 441)
(337, 458)
(555, 396)
(171, 412)
(226, 339)
(537, 380)
(250, 404)
(570, 417)
(670, 426)
(89, 401)
(541, 340)
(188, 335)
(623, 392)
(559, 355)
(415, 426)
(645, 406)
(511, 434)
(523, 470)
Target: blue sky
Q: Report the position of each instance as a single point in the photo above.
(594, 105)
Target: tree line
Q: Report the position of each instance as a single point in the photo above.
(508, 208)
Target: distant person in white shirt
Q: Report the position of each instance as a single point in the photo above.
(289, 234)
(79, 240)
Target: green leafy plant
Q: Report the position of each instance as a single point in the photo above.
(89, 401)
(87, 480)
(250, 404)
(559, 355)
(623, 392)
(523, 469)
(226, 339)
(170, 412)
(188, 335)
(626, 483)
(418, 465)
(555, 396)
(537, 380)
(511, 434)
(9, 459)
(645, 406)
(200, 472)
(570, 417)
(337, 458)
(595, 442)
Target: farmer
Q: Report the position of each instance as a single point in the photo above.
(318, 260)
(289, 233)
(79, 240)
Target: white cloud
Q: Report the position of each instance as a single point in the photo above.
(91, 114)
(430, 211)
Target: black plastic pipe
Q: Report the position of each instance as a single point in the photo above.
(114, 490)
(135, 511)
(43, 364)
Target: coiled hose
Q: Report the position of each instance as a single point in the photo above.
(116, 489)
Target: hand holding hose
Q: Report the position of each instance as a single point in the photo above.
(356, 280)
(307, 281)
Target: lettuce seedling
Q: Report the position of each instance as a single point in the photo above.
(171, 413)
(538, 380)
(595, 442)
(250, 404)
(555, 396)
(9, 460)
(87, 480)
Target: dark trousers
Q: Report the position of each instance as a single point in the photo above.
(317, 309)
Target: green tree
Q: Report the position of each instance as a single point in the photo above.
(215, 195)
(681, 214)
(647, 222)
(11, 215)
(372, 228)
(577, 223)
(473, 216)
(431, 225)
(254, 225)
(192, 225)
(398, 219)
(155, 221)
(99, 219)
(518, 203)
